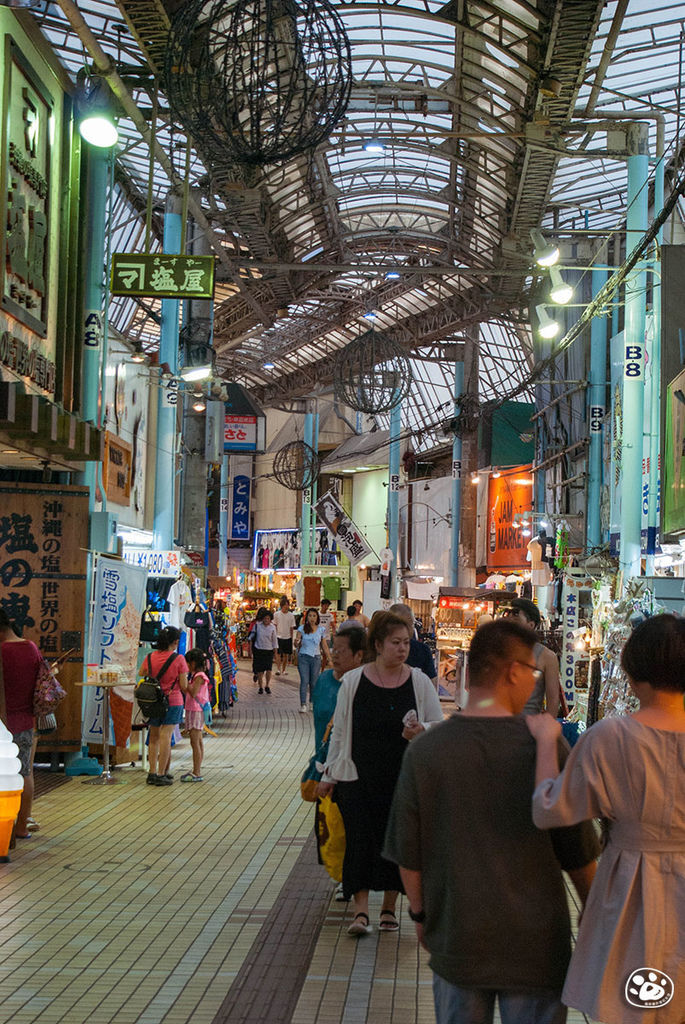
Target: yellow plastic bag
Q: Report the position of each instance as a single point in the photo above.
(330, 832)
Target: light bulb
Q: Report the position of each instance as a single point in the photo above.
(560, 292)
(547, 328)
(99, 131)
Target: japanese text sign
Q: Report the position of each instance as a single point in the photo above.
(161, 275)
(240, 512)
(43, 584)
(350, 539)
(240, 433)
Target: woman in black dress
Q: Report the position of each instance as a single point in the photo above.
(380, 707)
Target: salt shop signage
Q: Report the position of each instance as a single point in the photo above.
(43, 584)
(163, 276)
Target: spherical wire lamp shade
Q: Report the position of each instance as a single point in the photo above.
(261, 80)
(372, 374)
(296, 466)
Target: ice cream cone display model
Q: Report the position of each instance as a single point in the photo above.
(11, 786)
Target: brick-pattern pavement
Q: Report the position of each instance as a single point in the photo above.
(201, 903)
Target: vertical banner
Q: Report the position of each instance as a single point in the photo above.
(240, 491)
(572, 657)
(43, 585)
(351, 540)
(118, 604)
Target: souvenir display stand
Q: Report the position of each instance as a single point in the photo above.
(458, 613)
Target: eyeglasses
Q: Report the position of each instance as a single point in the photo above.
(537, 673)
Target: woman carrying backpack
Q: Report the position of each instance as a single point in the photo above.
(171, 671)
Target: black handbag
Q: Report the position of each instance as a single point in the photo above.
(150, 628)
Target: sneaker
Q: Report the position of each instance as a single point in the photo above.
(162, 780)
(189, 777)
(267, 690)
(167, 775)
(277, 672)
(339, 895)
(151, 779)
(260, 690)
(303, 709)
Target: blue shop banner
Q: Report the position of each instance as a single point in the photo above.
(118, 604)
(240, 508)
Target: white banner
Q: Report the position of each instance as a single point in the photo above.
(119, 602)
(350, 539)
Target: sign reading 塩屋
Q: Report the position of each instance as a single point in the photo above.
(350, 539)
(163, 276)
(118, 604)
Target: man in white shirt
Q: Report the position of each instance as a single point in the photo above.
(284, 621)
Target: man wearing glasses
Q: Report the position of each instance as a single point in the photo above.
(547, 690)
(483, 884)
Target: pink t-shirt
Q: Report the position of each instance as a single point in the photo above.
(196, 703)
(20, 663)
(169, 681)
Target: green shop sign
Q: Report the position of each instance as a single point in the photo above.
(166, 277)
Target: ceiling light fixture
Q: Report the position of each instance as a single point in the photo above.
(199, 404)
(546, 253)
(95, 111)
(392, 275)
(560, 292)
(547, 328)
(138, 355)
(268, 365)
(374, 146)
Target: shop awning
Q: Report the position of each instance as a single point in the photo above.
(45, 429)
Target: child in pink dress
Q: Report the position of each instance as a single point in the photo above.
(197, 696)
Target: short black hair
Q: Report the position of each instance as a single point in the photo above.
(351, 610)
(355, 636)
(168, 636)
(325, 601)
(493, 646)
(529, 609)
(655, 653)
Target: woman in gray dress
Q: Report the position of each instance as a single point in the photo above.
(628, 966)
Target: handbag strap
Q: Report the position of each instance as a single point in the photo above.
(165, 666)
(324, 738)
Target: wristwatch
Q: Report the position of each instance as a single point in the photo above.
(418, 917)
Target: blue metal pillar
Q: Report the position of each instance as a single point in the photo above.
(394, 494)
(315, 488)
(165, 464)
(653, 507)
(634, 358)
(456, 480)
(224, 502)
(306, 514)
(596, 413)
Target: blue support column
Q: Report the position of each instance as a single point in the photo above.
(394, 494)
(224, 502)
(596, 412)
(456, 480)
(315, 489)
(165, 463)
(634, 359)
(305, 516)
(653, 508)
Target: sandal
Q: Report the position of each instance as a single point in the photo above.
(358, 927)
(390, 924)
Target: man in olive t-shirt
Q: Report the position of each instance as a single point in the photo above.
(484, 885)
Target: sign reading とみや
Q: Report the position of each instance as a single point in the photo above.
(43, 579)
(163, 276)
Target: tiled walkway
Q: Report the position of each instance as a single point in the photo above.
(199, 903)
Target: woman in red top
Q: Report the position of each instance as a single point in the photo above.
(174, 683)
(21, 661)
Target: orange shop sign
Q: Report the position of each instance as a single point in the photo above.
(509, 495)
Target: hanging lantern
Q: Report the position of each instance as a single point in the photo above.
(372, 373)
(258, 80)
(296, 466)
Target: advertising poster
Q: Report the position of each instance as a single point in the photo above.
(43, 585)
(509, 495)
(347, 534)
(118, 604)
(674, 456)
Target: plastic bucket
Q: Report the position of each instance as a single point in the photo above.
(9, 809)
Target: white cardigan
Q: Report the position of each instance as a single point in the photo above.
(339, 765)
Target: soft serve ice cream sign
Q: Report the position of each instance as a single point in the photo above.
(11, 786)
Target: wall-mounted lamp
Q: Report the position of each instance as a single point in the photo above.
(560, 292)
(547, 328)
(198, 362)
(546, 253)
(199, 404)
(95, 111)
(138, 356)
